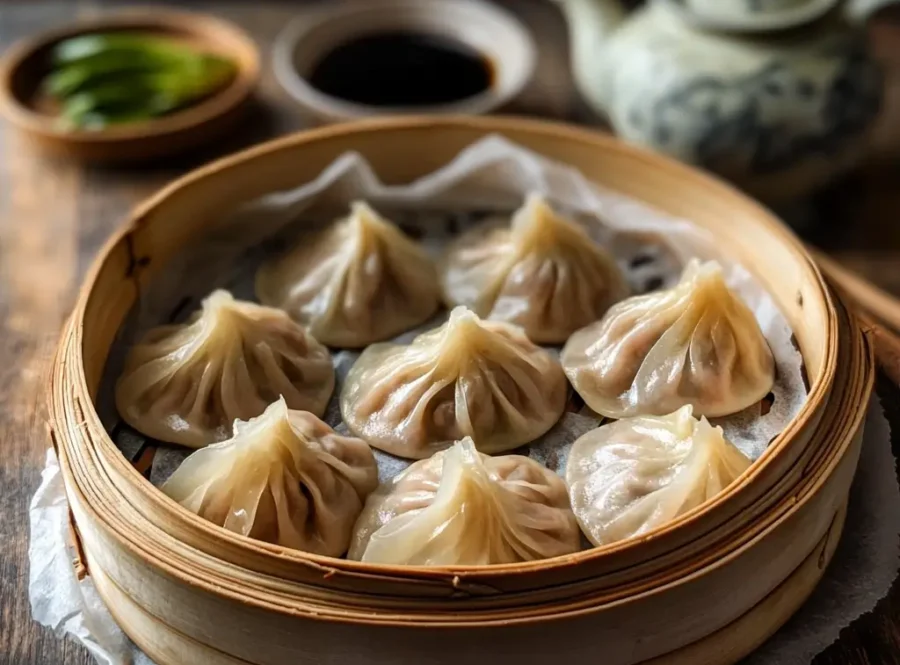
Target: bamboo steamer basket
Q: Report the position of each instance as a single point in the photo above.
(707, 588)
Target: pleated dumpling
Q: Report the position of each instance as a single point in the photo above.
(636, 474)
(462, 508)
(359, 281)
(285, 477)
(543, 272)
(696, 343)
(470, 377)
(187, 383)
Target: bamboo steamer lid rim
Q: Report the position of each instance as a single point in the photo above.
(485, 125)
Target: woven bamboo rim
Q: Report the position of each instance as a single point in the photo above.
(727, 645)
(748, 540)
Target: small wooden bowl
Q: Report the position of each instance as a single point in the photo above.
(25, 64)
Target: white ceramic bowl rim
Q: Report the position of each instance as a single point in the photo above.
(486, 28)
(771, 19)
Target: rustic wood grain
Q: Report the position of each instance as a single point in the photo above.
(55, 215)
(37, 264)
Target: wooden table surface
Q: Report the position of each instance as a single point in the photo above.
(55, 215)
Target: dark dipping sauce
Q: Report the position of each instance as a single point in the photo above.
(402, 69)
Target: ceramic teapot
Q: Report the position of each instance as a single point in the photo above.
(778, 96)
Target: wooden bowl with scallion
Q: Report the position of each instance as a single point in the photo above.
(129, 87)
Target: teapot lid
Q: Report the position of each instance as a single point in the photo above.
(750, 15)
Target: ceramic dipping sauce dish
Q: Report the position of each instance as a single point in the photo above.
(358, 59)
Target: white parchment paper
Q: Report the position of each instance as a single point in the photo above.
(489, 178)
(864, 566)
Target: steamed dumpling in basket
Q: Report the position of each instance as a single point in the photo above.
(696, 343)
(470, 377)
(285, 478)
(359, 281)
(636, 474)
(187, 383)
(543, 272)
(462, 508)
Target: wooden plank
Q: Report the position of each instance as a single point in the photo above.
(38, 231)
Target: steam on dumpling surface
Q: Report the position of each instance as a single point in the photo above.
(187, 383)
(285, 478)
(636, 474)
(462, 508)
(470, 377)
(359, 281)
(696, 343)
(543, 272)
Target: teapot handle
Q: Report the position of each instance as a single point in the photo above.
(881, 22)
(860, 11)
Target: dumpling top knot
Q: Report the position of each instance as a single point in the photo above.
(469, 377)
(542, 272)
(187, 383)
(361, 280)
(367, 228)
(462, 508)
(464, 339)
(696, 343)
(537, 227)
(705, 279)
(223, 319)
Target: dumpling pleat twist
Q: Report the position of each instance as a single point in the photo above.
(696, 344)
(187, 383)
(469, 377)
(285, 478)
(542, 272)
(466, 509)
(637, 474)
(359, 281)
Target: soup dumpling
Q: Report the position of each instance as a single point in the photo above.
(542, 272)
(462, 508)
(470, 377)
(285, 477)
(359, 281)
(696, 343)
(636, 474)
(187, 383)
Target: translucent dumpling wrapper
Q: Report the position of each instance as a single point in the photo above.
(696, 343)
(543, 272)
(469, 377)
(187, 383)
(285, 477)
(359, 281)
(636, 474)
(462, 508)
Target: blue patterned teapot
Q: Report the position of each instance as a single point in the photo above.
(778, 96)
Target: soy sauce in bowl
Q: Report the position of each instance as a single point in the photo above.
(402, 69)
